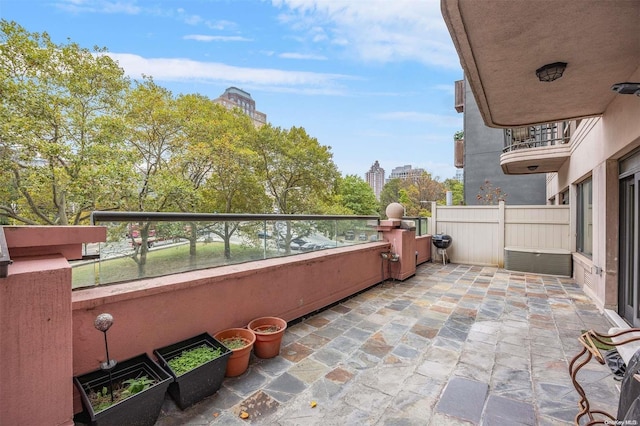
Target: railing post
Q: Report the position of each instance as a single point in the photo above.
(501, 233)
(433, 225)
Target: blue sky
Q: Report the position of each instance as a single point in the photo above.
(373, 79)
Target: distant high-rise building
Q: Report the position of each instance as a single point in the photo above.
(237, 98)
(405, 172)
(375, 178)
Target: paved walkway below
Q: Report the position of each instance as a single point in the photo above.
(453, 345)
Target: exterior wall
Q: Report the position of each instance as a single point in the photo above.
(597, 146)
(48, 335)
(423, 248)
(36, 361)
(35, 343)
(480, 233)
(152, 313)
(482, 148)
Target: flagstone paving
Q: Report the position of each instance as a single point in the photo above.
(452, 345)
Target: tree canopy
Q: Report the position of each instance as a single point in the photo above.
(77, 135)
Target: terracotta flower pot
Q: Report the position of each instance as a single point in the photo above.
(269, 332)
(239, 359)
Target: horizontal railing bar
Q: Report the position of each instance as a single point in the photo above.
(118, 216)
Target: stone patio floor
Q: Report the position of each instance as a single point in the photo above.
(453, 345)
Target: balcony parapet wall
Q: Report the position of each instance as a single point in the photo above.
(36, 334)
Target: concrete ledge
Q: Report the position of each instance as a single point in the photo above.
(25, 241)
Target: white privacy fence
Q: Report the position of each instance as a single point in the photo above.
(480, 233)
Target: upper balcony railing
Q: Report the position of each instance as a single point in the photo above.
(150, 244)
(536, 136)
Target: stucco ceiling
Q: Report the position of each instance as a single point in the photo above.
(501, 43)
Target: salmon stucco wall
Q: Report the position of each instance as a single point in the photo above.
(152, 313)
(35, 343)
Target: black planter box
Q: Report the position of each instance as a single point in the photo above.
(142, 408)
(202, 381)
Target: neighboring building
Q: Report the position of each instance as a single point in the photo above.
(237, 98)
(375, 178)
(479, 155)
(405, 172)
(580, 133)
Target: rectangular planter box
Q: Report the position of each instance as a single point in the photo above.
(142, 408)
(202, 381)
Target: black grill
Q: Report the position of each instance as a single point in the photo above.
(441, 241)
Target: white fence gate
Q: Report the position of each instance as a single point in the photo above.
(480, 233)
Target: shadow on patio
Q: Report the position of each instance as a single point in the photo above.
(454, 344)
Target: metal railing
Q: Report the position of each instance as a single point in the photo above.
(536, 136)
(5, 260)
(149, 244)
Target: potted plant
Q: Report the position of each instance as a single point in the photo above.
(240, 341)
(269, 332)
(138, 385)
(197, 365)
(129, 392)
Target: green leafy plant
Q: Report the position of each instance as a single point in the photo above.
(235, 342)
(101, 399)
(192, 358)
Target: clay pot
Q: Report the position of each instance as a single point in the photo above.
(269, 332)
(239, 359)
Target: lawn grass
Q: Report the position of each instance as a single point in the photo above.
(162, 261)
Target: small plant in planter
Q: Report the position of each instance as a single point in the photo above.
(235, 342)
(269, 332)
(240, 341)
(127, 392)
(102, 398)
(197, 364)
(193, 358)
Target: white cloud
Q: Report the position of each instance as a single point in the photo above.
(179, 69)
(208, 38)
(302, 56)
(377, 30)
(99, 6)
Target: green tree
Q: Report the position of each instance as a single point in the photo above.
(457, 191)
(420, 189)
(356, 196)
(217, 163)
(153, 132)
(299, 173)
(61, 131)
(390, 193)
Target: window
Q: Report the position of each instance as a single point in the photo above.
(584, 243)
(564, 197)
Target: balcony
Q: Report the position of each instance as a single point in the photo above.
(536, 149)
(404, 352)
(459, 96)
(367, 343)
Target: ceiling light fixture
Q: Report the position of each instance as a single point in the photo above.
(551, 72)
(532, 168)
(627, 88)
